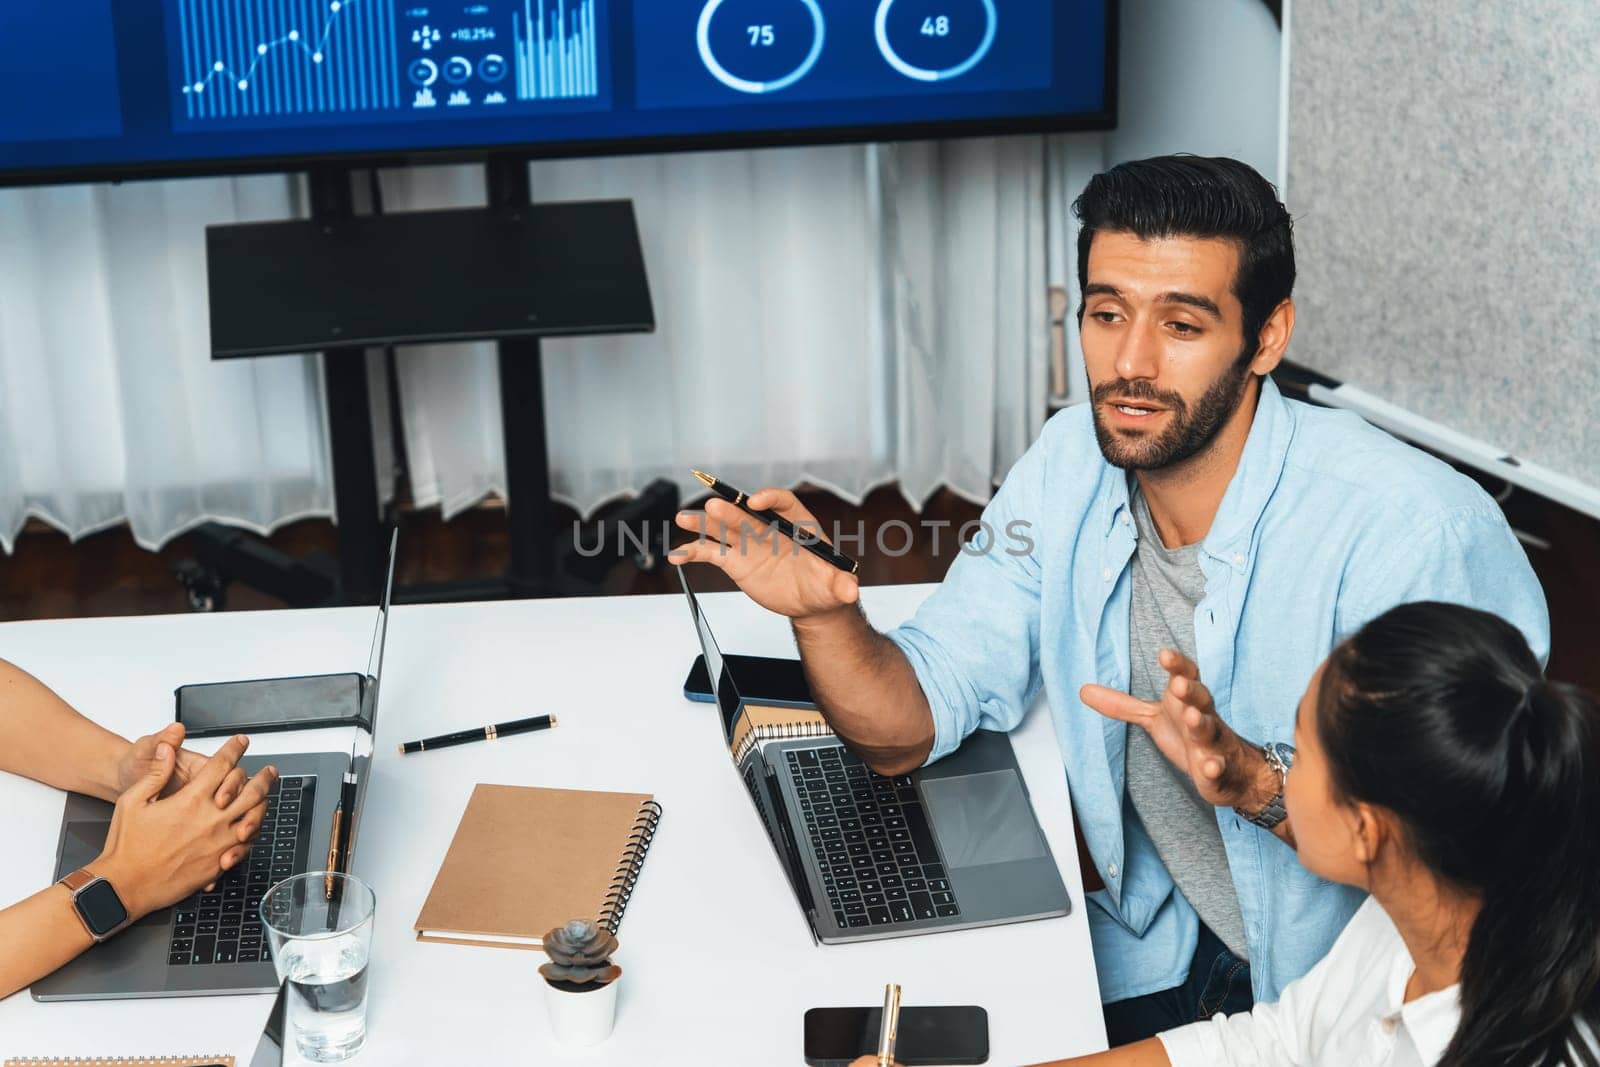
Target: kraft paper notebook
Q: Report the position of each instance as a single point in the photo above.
(525, 860)
(122, 1061)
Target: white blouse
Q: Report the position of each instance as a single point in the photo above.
(1348, 1011)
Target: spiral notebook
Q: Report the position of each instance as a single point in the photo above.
(525, 860)
(758, 723)
(122, 1061)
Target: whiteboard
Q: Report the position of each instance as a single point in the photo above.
(1444, 176)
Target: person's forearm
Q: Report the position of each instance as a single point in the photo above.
(40, 934)
(866, 689)
(1147, 1053)
(1263, 785)
(43, 738)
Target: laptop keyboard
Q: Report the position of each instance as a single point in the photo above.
(871, 838)
(224, 926)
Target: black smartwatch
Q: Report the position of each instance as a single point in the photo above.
(97, 904)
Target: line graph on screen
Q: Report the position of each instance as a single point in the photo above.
(287, 57)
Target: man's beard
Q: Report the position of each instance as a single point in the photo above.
(1188, 433)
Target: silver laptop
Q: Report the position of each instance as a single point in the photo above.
(212, 943)
(950, 846)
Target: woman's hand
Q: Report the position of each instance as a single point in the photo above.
(139, 760)
(160, 849)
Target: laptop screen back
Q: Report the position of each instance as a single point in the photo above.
(728, 699)
(360, 773)
(269, 1050)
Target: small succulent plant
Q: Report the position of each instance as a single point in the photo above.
(580, 953)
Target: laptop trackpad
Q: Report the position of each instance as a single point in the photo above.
(84, 841)
(982, 819)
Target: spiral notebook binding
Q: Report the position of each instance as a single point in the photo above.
(615, 902)
(114, 1061)
(779, 732)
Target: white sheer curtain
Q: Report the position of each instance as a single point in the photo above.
(846, 316)
(110, 407)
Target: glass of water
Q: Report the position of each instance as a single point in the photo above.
(319, 927)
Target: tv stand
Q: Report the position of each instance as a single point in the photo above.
(342, 282)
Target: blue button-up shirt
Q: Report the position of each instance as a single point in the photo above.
(1327, 523)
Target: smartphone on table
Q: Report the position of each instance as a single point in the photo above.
(928, 1035)
(262, 705)
(762, 680)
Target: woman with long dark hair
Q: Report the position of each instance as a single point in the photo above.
(1437, 769)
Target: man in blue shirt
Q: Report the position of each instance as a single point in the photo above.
(1189, 523)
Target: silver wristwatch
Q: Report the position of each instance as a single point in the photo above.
(1280, 757)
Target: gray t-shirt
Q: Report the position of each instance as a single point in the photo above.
(1167, 587)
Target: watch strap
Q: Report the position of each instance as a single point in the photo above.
(78, 879)
(1278, 757)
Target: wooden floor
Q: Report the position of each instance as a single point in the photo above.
(107, 574)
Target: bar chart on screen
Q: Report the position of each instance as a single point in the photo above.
(556, 51)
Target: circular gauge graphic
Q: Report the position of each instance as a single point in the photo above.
(760, 46)
(935, 40)
(492, 68)
(422, 71)
(458, 70)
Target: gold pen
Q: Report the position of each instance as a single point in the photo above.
(333, 853)
(889, 1030)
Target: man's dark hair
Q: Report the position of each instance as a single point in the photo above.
(1197, 196)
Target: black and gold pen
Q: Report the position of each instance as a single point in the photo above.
(812, 542)
(481, 733)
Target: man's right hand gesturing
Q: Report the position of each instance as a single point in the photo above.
(863, 684)
(771, 569)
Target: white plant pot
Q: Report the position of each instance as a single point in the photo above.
(582, 1018)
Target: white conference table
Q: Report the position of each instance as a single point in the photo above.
(718, 965)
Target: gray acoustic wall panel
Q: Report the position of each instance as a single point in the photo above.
(1444, 175)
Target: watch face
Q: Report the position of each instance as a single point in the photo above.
(101, 908)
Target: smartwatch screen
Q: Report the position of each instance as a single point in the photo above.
(101, 908)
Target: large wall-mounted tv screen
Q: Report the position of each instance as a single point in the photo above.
(98, 89)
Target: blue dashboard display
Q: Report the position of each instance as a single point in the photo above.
(759, 51)
(132, 88)
(268, 63)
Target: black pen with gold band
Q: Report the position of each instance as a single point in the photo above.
(481, 733)
(812, 542)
